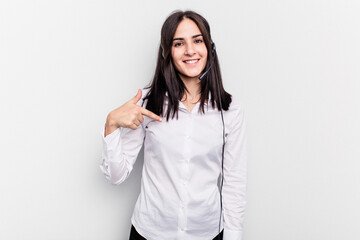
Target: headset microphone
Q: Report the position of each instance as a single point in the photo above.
(213, 48)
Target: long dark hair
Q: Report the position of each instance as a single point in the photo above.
(167, 80)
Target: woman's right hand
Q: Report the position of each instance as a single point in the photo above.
(129, 115)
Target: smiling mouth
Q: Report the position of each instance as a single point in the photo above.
(191, 61)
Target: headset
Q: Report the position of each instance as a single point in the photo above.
(213, 51)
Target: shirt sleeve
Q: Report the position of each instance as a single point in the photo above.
(235, 171)
(120, 150)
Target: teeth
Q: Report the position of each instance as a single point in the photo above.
(192, 61)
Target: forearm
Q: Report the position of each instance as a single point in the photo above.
(120, 150)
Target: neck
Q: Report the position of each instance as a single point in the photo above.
(193, 88)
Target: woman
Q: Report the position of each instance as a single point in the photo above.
(192, 132)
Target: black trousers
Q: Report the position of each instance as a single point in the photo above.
(134, 235)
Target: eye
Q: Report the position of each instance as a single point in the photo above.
(177, 44)
(199, 40)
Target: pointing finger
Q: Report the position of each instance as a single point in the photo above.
(150, 114)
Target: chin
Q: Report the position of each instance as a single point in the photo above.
(190, 75)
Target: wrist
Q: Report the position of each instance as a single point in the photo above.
(111, 122)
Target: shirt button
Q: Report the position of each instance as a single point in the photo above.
(187, 136)
(182, 229)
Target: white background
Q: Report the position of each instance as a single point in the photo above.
(65, 64)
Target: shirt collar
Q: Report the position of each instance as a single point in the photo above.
(209, 96)
(182, 106)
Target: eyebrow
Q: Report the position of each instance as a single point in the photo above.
(195, 36)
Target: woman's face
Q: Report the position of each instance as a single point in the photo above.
(188, 50)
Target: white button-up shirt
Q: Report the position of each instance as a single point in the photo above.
(179, 196)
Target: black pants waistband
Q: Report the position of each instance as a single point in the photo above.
(134, 235)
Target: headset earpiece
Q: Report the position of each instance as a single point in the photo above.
(213, 48)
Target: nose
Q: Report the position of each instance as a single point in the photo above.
(189, 50)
